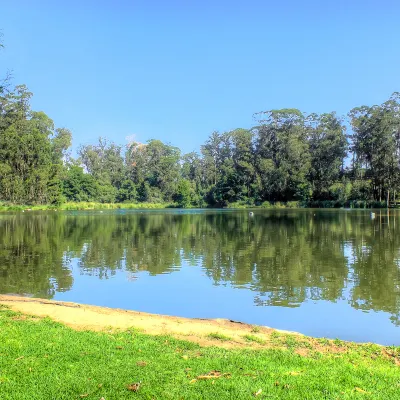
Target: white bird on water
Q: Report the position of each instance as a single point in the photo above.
(372, 215)
(251, 214)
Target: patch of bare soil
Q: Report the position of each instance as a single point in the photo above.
(86, 317)
(201, 331)
(302, 351)
(392, 355)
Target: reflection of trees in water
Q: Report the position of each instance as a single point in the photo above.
(285, 257)
(376, 266)
(32, 256)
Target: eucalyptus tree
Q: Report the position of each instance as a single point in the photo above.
(193, 170)
(30, 151)
(78, 185)
(105, 162)
(155, 168)
(237, 169)
(243, 161)
(211, 157)
(375, 139)
(282, 155)
(328, 149)
(192, 166)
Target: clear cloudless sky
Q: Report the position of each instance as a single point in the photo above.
(176, 70)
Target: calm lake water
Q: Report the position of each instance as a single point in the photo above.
(325, 273)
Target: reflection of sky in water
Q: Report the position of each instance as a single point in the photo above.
(188, 293)
(348, 252)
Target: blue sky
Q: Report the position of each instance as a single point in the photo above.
(178, 70)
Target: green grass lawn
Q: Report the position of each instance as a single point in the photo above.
(42, 359)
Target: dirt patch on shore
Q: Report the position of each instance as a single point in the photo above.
(206, 332)
(86, 317)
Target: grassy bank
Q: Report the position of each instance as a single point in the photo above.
(84, 206)
(149, 206)
(311, 204)
(42, 359)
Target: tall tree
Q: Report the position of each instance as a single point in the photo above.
(155, 168)
(283, 157)
(105, 162)
(30, 171)
(376, 144)
(328, 149)
(211, 153)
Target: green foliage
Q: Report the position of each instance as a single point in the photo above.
(289, 157)
(293, 204)
(376, 143)
(340, 191)
(78, 186)
(30, 159)
(219, 336)
(112, 206)
(107, 193)
(282, 156)
(238, 204)
(155, 167)
(254, 338)
(105, 162)
(127, 192)
(328, 149)
(183, 195)
(361, 190)
(266, 204)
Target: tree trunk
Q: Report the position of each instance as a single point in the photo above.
(388, 198)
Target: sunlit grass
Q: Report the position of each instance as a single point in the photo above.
(219, 336)
(255, 329)
(41, 359)
(253, 338)
(85, 206)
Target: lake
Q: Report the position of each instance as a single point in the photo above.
(324, 273)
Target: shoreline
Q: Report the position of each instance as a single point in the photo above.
(95, 206)
(97, 318)
(203, 331)
(42, 358)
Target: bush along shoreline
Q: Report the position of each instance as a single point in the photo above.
(87, 206)
(310, 204)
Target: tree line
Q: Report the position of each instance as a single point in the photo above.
(287, 157)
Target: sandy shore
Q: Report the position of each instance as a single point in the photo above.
(86, 317)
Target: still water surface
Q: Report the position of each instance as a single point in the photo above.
(326, 273)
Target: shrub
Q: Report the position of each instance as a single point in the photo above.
(266, 204)
(293, 204)
(237, 204)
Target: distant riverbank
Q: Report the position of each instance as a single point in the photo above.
(84, 206)
(155, 357)
(72, 206)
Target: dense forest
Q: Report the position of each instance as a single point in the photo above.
(287, 157)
